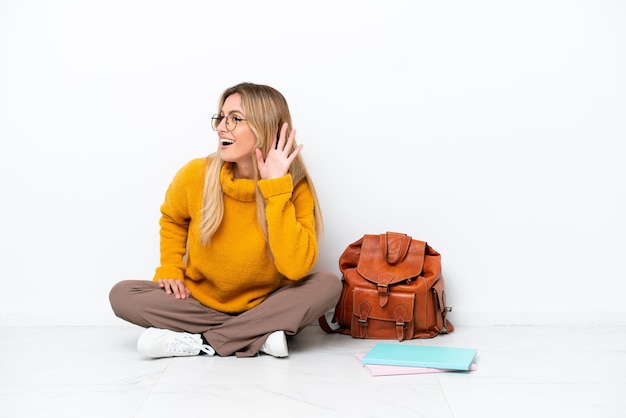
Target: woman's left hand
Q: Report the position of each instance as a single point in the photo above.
(279, 157)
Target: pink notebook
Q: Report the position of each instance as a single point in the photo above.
(380, 370)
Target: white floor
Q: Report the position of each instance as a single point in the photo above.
(522, 372)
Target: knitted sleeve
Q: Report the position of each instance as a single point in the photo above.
(291, 225)
(175, 218)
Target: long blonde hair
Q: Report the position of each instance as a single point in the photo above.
(266, 111)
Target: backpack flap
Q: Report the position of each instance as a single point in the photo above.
(390, 258)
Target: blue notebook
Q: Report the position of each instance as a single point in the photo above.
(421, 356)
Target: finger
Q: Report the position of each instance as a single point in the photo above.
(295, 153)
(259, 158)
(165, 285)
(183, 290)
(290, 140)
(177, 288)
(281, 139)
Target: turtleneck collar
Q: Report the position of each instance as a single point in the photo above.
(238, 189)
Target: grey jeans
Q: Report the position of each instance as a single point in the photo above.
(289, 308)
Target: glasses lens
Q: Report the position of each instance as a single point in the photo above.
(215, 120)
(231, 123)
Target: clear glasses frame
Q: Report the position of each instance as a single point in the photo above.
(231, 122)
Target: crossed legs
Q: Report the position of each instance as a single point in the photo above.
(289, 309)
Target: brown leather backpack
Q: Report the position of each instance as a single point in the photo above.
(392, 289)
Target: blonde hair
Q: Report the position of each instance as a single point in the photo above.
(266, 111)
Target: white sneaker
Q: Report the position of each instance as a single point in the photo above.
(276, 345)
(156, 342)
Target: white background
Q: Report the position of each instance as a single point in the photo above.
(493, 130)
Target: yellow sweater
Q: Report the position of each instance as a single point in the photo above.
(235, 272)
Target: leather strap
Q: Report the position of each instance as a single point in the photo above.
(382, 287)
(400, 312)
(325, 326)
(394, 246)
(364, 309)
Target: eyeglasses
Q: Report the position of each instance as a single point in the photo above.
(231, 122)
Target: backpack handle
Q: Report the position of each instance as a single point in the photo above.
(395, 246)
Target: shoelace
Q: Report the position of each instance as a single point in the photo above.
(207, 349)
(186, 343)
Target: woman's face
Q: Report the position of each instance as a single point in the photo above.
(238, 144)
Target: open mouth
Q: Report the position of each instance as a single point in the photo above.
(226, 142)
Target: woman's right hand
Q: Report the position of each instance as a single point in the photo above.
(279, 157)
(175, 287)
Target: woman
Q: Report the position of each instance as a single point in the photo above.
(238, 239)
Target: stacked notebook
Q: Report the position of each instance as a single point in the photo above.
(392, 359)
